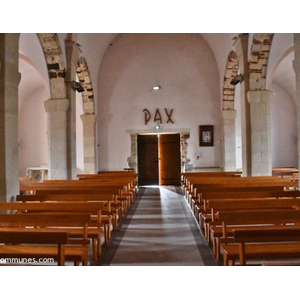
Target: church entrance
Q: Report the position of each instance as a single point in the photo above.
(159, 159)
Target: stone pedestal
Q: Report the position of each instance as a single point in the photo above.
(229, 145)
(57, 137)
(9, 81)
(37, 174)
(89, 143)
(133, 159)
(261, 151)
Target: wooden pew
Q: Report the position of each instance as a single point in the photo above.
(198, 183)
(186, 176)
(252, 219)
(245, 185)
(121, 203)
(93, 208)
(214, 231)
(120, 191)
(215, 205)
(245, 182)
(201, 205)
(14, 240)
(77, 252)
(115, 208)
(263, 244)
(284, 172)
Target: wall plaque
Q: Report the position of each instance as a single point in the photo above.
(206, 135)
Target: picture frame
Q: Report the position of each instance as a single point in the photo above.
(206, 135)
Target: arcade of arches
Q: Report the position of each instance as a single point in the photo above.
(46, 122)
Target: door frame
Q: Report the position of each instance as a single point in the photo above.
(184, 135)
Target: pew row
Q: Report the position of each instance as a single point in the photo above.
(243, 220)
(76, 250)
(17, 251)
(95, 226)
(263, 245)
(114, 209)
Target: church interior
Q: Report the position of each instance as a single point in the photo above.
(126, 149)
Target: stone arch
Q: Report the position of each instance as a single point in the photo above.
(84, 77)
(56, 68)
(228, 89)
(258, 61)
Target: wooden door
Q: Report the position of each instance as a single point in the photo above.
(169, 159)
(148, 159)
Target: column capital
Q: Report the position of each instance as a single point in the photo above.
(56, 105)
(88, 118)
(229, 114)
(259, 96)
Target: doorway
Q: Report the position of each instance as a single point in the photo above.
(159, 159)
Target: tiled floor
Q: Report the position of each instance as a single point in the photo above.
(158, 230)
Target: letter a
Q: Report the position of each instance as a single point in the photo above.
(147, 115)
(157, 116)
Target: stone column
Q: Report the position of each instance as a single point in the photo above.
(89, 143)
(133, 159)
(260, 132)
(229, 145)
(72, 55)
(57, 137)
(242, 51)
(9, 81)
(296, 65)
(183, 150)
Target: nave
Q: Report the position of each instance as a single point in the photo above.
(158, 230)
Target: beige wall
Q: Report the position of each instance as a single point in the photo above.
(185, 68)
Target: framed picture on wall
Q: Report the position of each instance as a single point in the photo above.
(206, 135)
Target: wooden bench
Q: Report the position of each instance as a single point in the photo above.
(188, 177)
(76, 250)
(284, 172)
(120, 203)
(244, 182)
(263, 244)
(196, 189)
(93, 208)
(201, 204)
(214, 231)
(17, 253)
(121, 192)
(210, 182)
(216, 205)
(252, 219)
(115, 209)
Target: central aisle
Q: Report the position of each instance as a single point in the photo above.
(158, 229)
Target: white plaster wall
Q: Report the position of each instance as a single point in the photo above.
(30, 46)
(283, 129)
(185, 68)
(32, 118)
